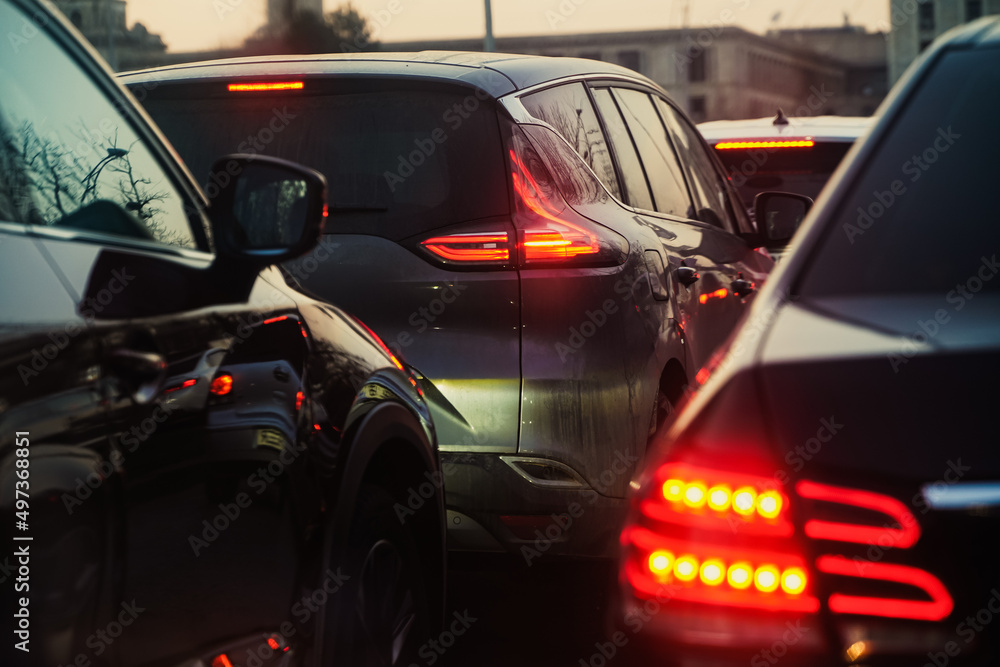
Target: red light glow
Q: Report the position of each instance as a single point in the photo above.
(263, 87)
(487, 247)
(222, 385)
(720, 293)
(222, 661)
(559, 240)
(938, 608)
(903, 537)
(743, 145)
(184, 385)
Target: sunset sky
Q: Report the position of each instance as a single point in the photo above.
(189, 25)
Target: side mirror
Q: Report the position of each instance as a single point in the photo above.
(265, 210)
(778, 215)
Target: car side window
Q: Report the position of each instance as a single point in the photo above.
(636, 186)
(69, 159)
(707, 186)
(567, 108)
(666, 180)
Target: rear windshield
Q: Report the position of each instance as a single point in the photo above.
(922, 217)
(803, 171)
(399, 162)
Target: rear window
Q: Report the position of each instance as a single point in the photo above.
(399, 162)
(922, 216)
(803, 171)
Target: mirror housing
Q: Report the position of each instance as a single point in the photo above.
(778, 216)
(264, 210)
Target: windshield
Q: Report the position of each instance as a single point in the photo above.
(398, 162)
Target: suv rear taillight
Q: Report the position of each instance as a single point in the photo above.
(546, 233)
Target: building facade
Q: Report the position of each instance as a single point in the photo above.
(720, 72)
(103, 23)
(916, 23)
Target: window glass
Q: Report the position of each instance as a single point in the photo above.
(68, 158)
(670, 194)
(922, 215)
(568, 109)
(707, 186)
(399, 161)
(636, 188)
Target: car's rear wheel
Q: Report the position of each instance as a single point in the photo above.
(381, 617)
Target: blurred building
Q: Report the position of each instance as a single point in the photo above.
(916, 23)
(103, 23)
(725, 72)
(282, 11)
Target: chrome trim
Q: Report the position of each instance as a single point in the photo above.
(962, 496)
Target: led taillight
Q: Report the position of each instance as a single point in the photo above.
(937, 608)
(222, 385)
(299, 397)
(714, 573)
(903, 537)
(695, 496)
(744, 145)
(265, 86)
(482, 247)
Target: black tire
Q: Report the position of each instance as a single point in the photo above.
(382, 615)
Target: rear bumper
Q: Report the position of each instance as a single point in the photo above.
(491, 507)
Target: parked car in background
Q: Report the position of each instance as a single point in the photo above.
(782, 154)
(831, 493)
(199, 464)
(548, 240)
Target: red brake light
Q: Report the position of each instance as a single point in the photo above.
(550, 231)
(222, 385)
(938, 608)
(905, 536)
(221, 661)
(183, 385)
(744, 145)
(280, 318)
(262, 87)
(299, 397)
(485, 247)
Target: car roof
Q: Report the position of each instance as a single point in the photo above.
(820, 128)
(495, 73)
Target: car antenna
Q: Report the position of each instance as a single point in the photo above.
(780, 118)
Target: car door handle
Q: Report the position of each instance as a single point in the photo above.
(686, 275)
(140, 372)
(742, 287)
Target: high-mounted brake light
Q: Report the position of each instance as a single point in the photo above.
(265, 86)
(485, 247)
(744, 145)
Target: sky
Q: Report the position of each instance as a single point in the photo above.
(192, 25)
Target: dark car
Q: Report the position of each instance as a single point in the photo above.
(831, 494)
(548, 240)
(199, 464)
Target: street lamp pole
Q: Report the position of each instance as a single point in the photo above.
(488, 44)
